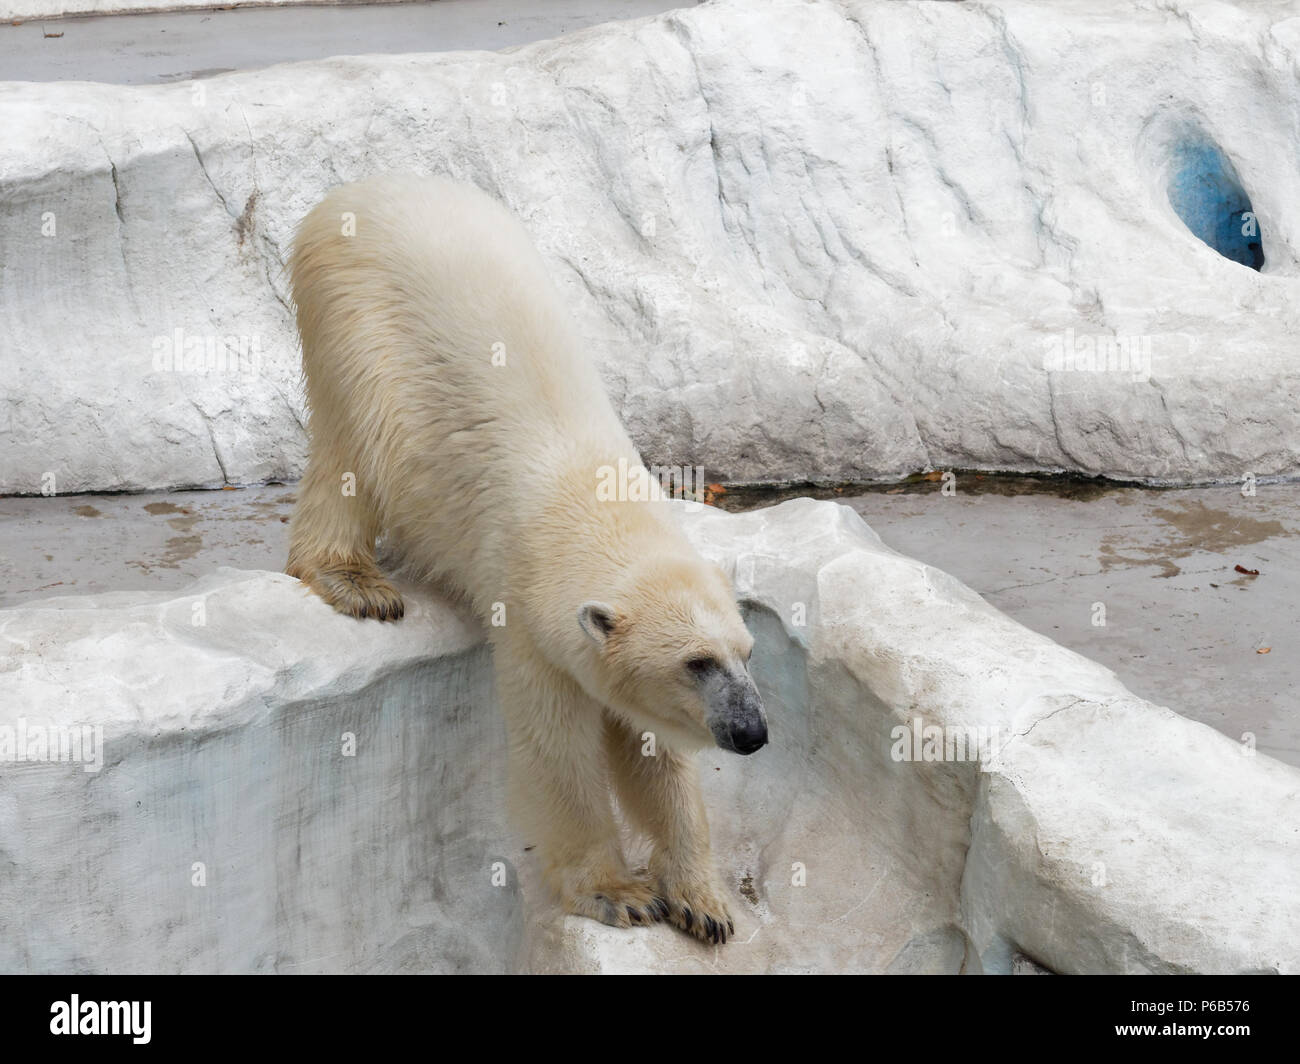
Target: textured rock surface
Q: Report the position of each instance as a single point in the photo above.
(829, 240)
(1106, 834)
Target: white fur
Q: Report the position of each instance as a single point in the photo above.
(483, 477)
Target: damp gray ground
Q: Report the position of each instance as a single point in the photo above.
(150, 49)
(1143, 581)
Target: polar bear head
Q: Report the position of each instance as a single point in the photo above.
(670, 653)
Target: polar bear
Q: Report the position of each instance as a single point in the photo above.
(454, 412)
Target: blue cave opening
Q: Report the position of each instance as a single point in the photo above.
(1208, 197)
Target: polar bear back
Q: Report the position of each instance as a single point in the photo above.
(440, 356)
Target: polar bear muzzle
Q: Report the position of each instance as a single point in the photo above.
(735, 715)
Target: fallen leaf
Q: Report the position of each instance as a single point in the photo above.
(1263, 650)
(1248, 572)
(934, 474)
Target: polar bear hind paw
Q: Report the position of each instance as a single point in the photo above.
(357, 591)
(634, 903)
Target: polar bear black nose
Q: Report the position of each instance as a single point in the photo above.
(748, 736)
(735, 715)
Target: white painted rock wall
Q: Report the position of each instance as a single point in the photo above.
(805, 240)
(1106, 835)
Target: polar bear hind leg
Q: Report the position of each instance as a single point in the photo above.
(332, 546)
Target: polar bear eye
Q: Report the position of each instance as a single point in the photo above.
(700, 666)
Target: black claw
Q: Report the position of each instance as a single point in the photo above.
(633, 915)
(689, 917)
(663, 908)
(731, 928)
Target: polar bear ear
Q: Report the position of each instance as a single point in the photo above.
(597, 620)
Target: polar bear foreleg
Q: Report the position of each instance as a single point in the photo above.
(559, 790)
(659, 790)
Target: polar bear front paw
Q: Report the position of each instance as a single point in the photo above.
(357, 591)
(699, 908)
(620, 903)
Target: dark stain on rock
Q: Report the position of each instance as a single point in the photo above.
(747, 890)
(244, 223)
(86, 511)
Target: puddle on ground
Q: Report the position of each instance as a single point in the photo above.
(1218, 530)
(164, 508)
(176, 550)
(1193, 528)
(86, 511)
(179, 549)
(736, 498)
(1185, 527)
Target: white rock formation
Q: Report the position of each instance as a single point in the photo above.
(806, 240)
(1101, 833)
